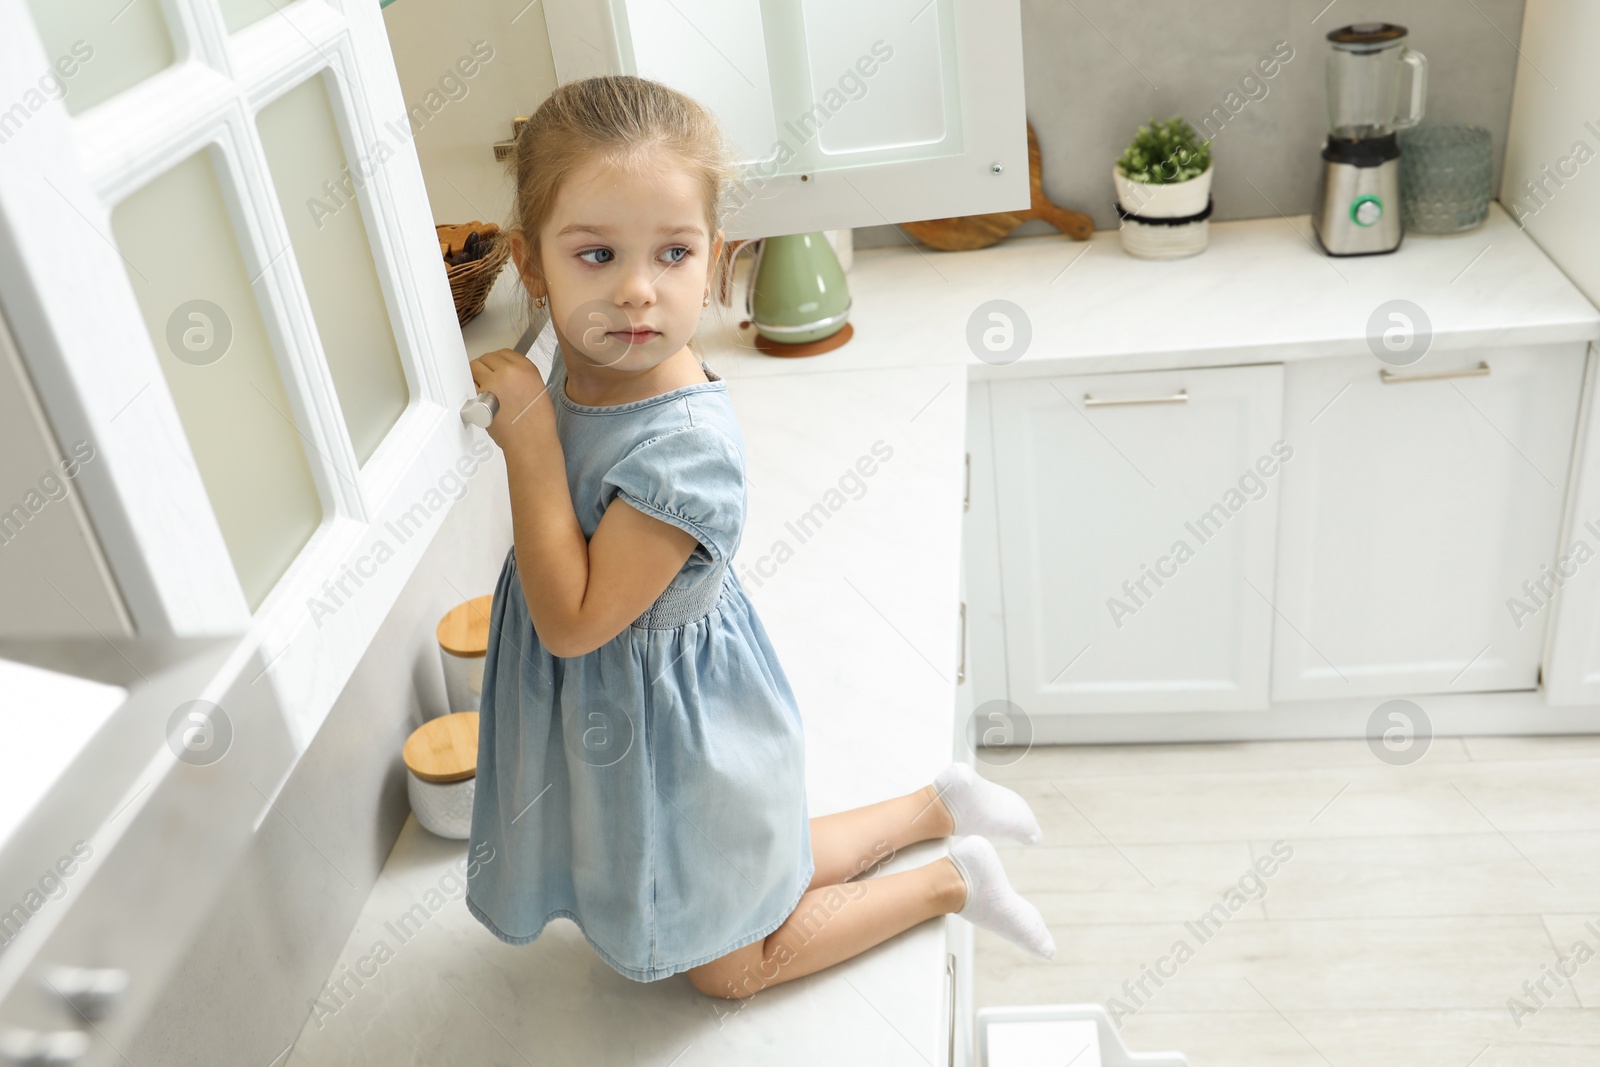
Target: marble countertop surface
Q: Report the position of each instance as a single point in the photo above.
(852, 555)
(1260, 293)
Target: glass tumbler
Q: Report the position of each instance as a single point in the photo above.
(1444, 177)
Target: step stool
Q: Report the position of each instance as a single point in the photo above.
(1059, 1035)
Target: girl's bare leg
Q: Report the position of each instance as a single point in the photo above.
(837, 918)
(847, 843)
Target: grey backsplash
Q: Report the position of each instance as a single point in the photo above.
(1097, 69)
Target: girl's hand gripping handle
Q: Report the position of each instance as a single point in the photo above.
(480, 410)
(507, 378)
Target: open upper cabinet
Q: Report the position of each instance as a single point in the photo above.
(222, 278)
(843, 114)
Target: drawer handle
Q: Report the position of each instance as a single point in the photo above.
(961, 666)
(1180, 397)
(966, 495)
(950, 977)
(1389, 377)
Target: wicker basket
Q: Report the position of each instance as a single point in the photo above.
(470, 282)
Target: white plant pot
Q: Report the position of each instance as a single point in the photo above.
(1170, 201)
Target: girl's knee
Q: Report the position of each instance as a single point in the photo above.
(715, 980)
(708, 980)
(730, 976)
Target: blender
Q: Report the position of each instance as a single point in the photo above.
(1357, 210)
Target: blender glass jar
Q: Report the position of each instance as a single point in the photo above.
(1364, 81)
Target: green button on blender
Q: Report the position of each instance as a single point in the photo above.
(1366, 210)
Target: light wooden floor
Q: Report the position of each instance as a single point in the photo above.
(1416, 903)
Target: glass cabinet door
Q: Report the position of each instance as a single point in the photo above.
(213, 280)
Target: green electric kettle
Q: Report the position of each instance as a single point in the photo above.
(797, 293)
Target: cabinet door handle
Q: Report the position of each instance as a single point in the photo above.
(1389, 378)
(966, 496)
(1180, 397)
(961, 666)
(480, 410)
(950, 978)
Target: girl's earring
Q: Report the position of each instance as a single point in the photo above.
(538, 302)
(707, 301)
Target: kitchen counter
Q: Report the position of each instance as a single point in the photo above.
(1259, 294)
(862, 609)
(856, 577)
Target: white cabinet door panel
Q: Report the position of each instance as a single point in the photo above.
(842, 114)
(983, 719)
(1136, 539)
(1572, 659)
(164, 293)
(1412, 514)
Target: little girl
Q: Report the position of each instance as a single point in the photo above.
(641, 761)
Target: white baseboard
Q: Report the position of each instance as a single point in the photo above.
(1449, 715)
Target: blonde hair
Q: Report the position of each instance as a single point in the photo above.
(621, 118)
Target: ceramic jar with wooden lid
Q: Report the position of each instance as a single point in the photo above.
(441, 759)
(463, 636)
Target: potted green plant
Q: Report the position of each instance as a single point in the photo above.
(1163, 184)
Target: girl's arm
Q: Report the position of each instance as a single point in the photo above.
(580, 593)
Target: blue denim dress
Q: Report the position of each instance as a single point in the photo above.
(652, 790)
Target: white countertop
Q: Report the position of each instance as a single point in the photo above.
(42, 747)
(867, 639)
(1261, 293)
(863, 614)
(864, 618)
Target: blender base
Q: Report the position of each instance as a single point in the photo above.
(1357, 209)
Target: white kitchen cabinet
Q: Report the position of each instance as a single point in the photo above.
(289, 490)
(1572, 657)
(843, 114)
(1418, 502)
(1137, 516)
(52, 570)
(982, 711)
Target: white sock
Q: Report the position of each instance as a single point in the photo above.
(993, 904)
(983, 807)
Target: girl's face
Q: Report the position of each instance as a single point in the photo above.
(626, 260)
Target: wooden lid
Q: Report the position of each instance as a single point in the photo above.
(444, 749)
(464, 630)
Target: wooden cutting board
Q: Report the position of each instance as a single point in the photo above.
(981, 231)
